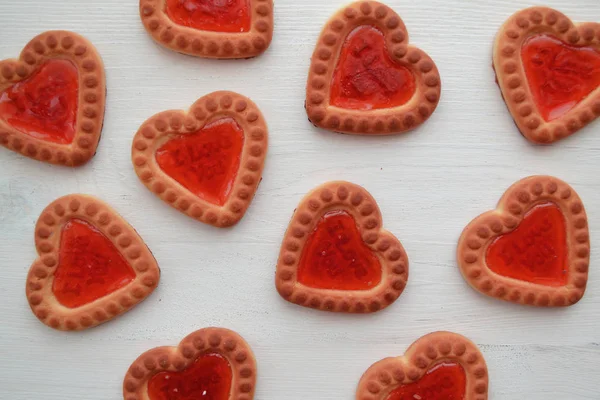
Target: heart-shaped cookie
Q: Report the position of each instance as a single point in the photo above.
(208, 28)
(92, 265)
(206, 162)
(534, 248)
(336, 256)
(548, 70)
(211, 363)
(52, 99)
(365, 78)
(438, 366)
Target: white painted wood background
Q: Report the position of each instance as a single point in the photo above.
(429, 183)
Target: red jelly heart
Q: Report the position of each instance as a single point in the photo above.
(208, 378)
(45, 104)
(446, 381)
(211, 15)
(560, 75)
(206, 162)
(366, 78)
(536, 251)
(335, 256)
(90, 266)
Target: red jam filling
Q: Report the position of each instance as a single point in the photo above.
(211, 15)
(446, 381)
(90, 266)
(335, 256)
(366, 77)
(45, 104)
(208, 378)
(560, 75)
(206, 162)
(536, 251)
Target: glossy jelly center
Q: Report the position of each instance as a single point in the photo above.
(335, 256)
(366, 78)
(536, 251)
(208, 378)
(445, 381)
(45, 104)
(211, 15)
(90, 266)
(206, 162)
(559, 75)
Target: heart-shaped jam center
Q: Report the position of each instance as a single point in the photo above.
(45, 104)
(206, 162)
(445, 381)
(208, 378)
(560, 75)
(366, 78)
(536, 251)
(90, 266)
(335, 256)
(211, 15)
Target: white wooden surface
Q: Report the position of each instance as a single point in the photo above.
(429, 184)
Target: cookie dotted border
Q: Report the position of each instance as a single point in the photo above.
(159, 128)
(362, 206)
(90, 107)
(511, 209)
(511, 77)
(48, 231)
(208, 340)
(324, 62)
(390, 373)
(210, 44)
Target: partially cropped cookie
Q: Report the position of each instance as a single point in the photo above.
(92, 265)
(365, 77)
(438, 366)
(207, 162)
(211, 363)
(210, 28)
(52, 99)
(533, 249)
(336, 256)
(548, 69)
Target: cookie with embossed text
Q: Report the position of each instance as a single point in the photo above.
(52, 99)
(438, 366)
(533, 249)
(548, 69)
(365, 77)
(336, 256)
(92, 265)
(210, 28)
(206, 162)
(211, 363)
